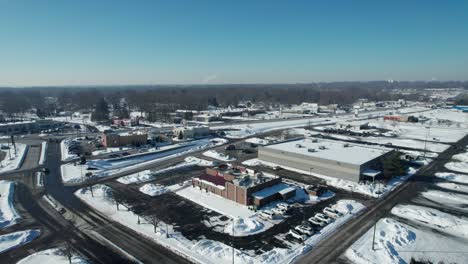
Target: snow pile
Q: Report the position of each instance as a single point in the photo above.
(433, 218)
(152, 189)
(219, 156)
(392, 236)
(8, 214)
(16, 239)
(457, 166)
(51, 256)
(14, 163)
(244, 226)
(198, 161)
(109, 150)
(258, 141)
(42, 158)
(453, 177)
(64, 144)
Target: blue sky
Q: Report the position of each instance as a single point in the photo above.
(180, 42)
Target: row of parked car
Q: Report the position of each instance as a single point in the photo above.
(319, 220)
(280, 209)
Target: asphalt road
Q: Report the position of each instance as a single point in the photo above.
(330, 249)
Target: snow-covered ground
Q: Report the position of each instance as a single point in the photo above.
(409, 143)
(258, 141)
(42, 158)
(453, 177)
(457, 166)
(109, 167)
(454, 187)
(64, 149)
(8, 214)
(148, 175)
(14, 163)
(51, 256)
(374, 190)
(205, 250)
(219, 156)
(152, 189)
(16, 239)
(433, 218)
(451, 199)
(109, 150)
(396, 242)
(461, 157)
(246, 130)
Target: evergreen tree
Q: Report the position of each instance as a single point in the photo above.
(101, 111)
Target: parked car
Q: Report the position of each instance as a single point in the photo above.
(276, 168)
(267, 214)
(297, 235)
(317, 222)
(305, 229)
(284, 206)
(45, 170)
(323, 218)
(331, 212)
(278, 211)
(230, 147)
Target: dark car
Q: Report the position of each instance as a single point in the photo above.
(45, 170)
(231, 147)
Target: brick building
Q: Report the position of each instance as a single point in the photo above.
(243, 186)
(112, 139)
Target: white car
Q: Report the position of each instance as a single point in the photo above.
(266, 214)
(305, 229)
(323, 218)
(316, 222)
(297, 235)
(278, 211)
(284, 206)
(331, 212)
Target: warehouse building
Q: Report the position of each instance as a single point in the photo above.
(352, 162)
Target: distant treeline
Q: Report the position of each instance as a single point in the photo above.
(165, 98)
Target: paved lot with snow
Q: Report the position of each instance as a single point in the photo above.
(8, 214)
(51, 256)
(13, 163)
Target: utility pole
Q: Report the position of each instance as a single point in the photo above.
(233, 223)
(425, 141)
(373, 237)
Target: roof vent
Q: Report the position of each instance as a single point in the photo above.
(346, 145)
(311, 150)
(322, 147)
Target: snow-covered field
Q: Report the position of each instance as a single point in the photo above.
(51, 256)
(42, 158)
(453, 177)
(16, 239)
(109, 167)
(205, 250)
(14, 163)
(457, 166)
(396, 242)
(148, 175)
(433, 218)
(8, 214)
(374, 190)
(258, 141)
(243, 131)
(219, 156)
(451, 199)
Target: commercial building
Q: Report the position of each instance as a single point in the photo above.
(112, 139)
(191, 132)
(352, 162)
(243, 186)
(33, 126)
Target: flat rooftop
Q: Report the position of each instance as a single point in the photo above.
(331, 150)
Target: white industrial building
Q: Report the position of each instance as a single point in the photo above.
(353, 162)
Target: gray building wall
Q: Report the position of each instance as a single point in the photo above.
(341, 170)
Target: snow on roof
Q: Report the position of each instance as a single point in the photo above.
(278, 188)
(371, 173)
(331, 150)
